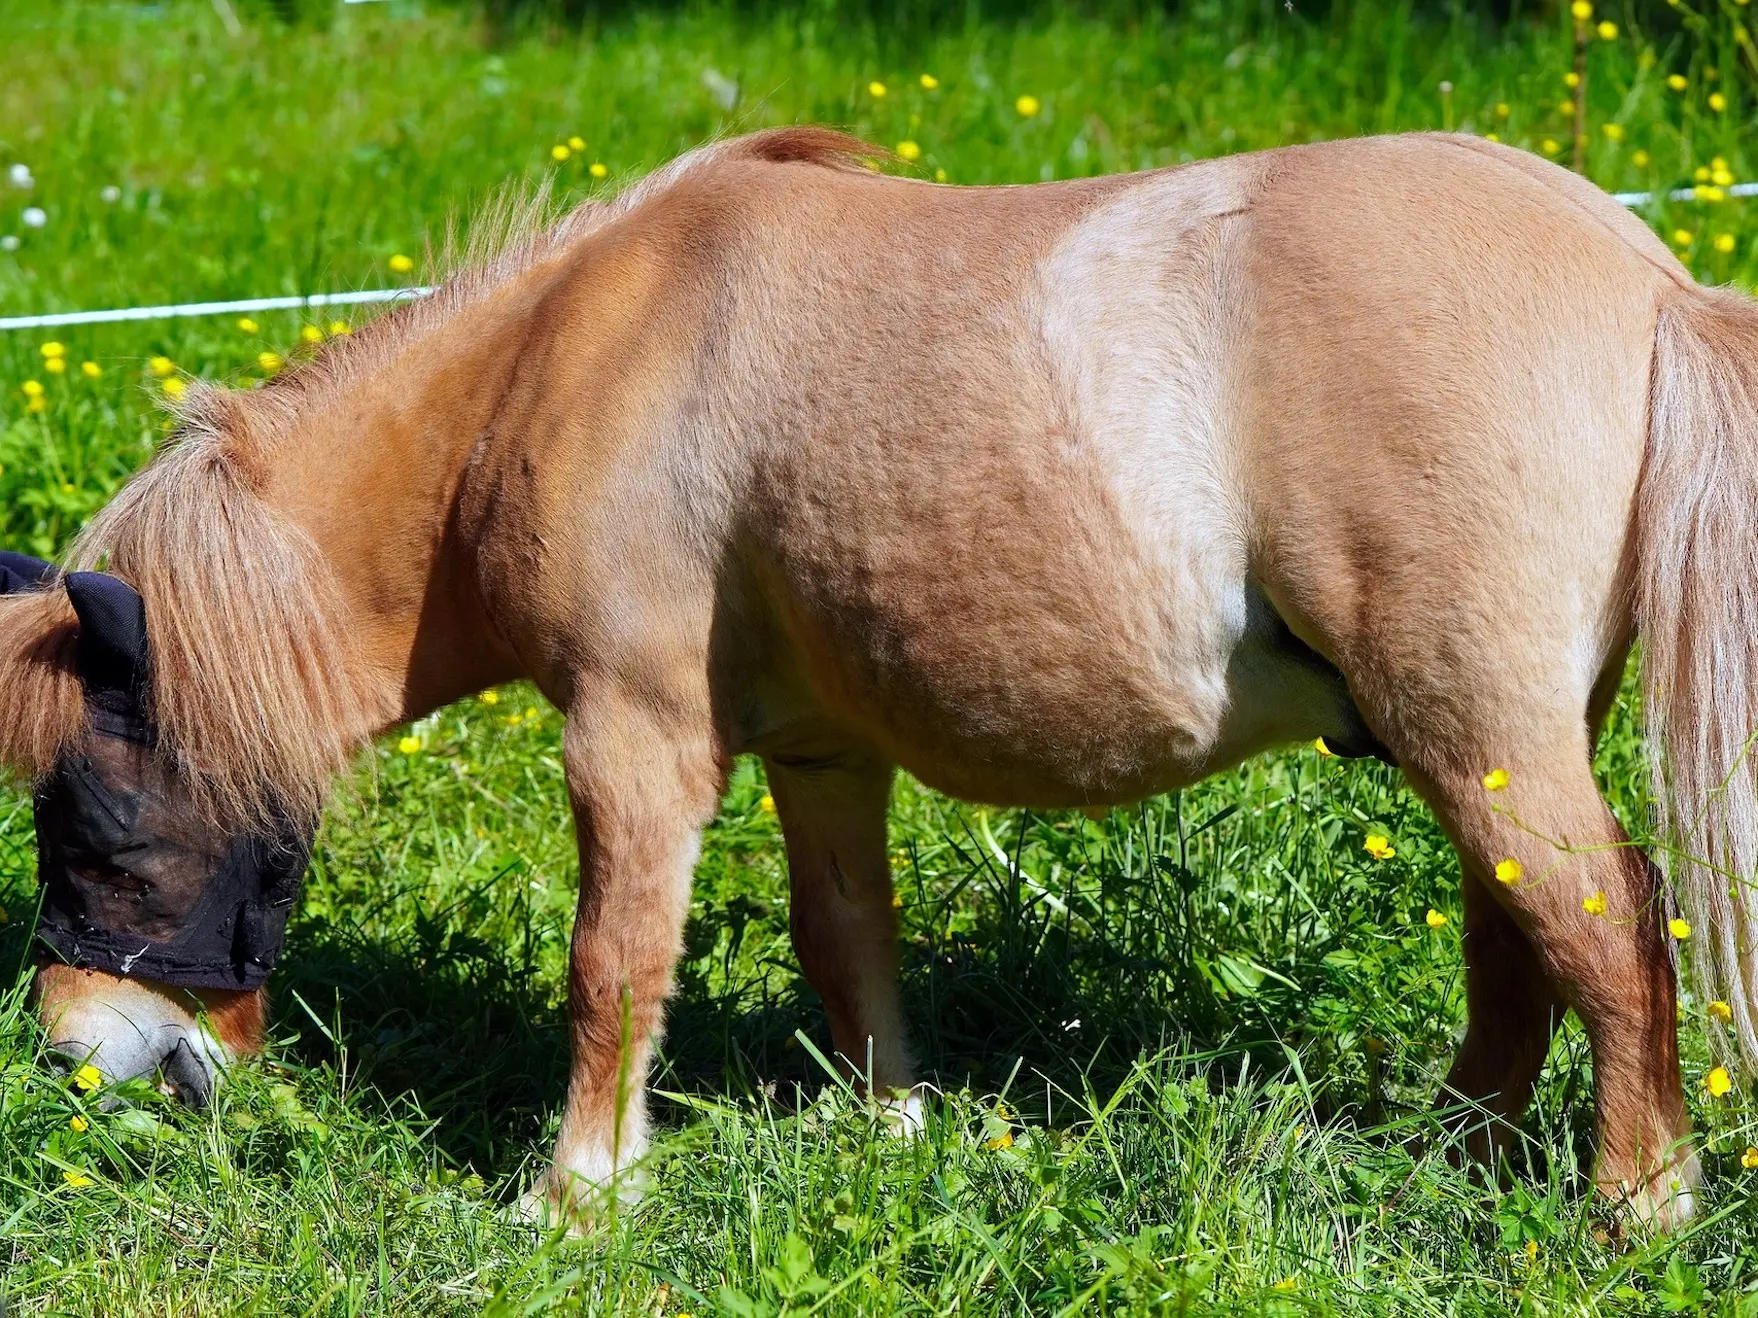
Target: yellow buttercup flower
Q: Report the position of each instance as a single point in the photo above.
(490, 697)
(766, 803)
(91, 370)
(1002, 1141)
(876, 90)
(1581, 10)
(338, 327)
(1721, 176)
(400, 264)
(269, 361)
(1608, 31)
(1718, 1082)
(246, 325)
(1721, 1011)
(55, 365)
(1707, 193)
(598, 169)
(37, 405)
(1683, 237)
(1565, 107)
(161, 366)
(32, 388)
(1435, 919)
(897, 901)
(1639, 158)
(1286, 1284)
(51, 350)
(1495, 780)
(1717, 102)
(1379, 846)
(929, 82)
(1571, 80)
(1679, 929)
(1749, 1159)
(410, 745)
(88, 1077)
(1318, 744)
(78, 1180)
(1724, 242)
(1594, 905)
(559, 151)
(909, 150)
(311, 334)
(1027, 106)
(175, 388)
(1509, 871)
(1503, 109)
(1613, 132)
(576, 143)
(1492, 137)
(78, 1122)
(1550, 146)
(1677, 82)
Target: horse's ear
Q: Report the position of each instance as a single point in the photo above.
(112, 632)
(22, 572)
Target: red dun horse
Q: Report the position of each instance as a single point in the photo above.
(1060, 496)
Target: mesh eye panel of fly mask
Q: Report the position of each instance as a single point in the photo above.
(135, 881)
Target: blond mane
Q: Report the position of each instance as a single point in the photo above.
(257, 685)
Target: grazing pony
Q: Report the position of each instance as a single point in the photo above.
(1057, 496)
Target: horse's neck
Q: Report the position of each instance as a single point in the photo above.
(373, 477)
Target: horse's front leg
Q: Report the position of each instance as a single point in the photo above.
(643, 784)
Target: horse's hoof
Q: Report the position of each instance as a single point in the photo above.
(1666, 1203)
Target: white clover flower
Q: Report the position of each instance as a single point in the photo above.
(34, 217)
(111, 193)
(8, 242)
(20, 176)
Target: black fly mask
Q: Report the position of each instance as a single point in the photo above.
(135, 882)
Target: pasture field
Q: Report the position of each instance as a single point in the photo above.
(1187, 1051)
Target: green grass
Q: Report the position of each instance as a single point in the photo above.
(1187, 1051)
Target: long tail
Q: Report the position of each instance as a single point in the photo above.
(1697, 532)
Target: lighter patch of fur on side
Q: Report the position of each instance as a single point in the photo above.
(1698, 514)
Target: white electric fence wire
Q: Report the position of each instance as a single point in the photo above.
(54, 320)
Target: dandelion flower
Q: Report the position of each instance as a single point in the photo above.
(1594, 905)
(88, 1077)
(940, 176)
(1286, 1284)
(1639, 158)
(1721, 176)
(175, 388)
(1492, 137)
(37, 404)
(1581, 10)
(1027, 106)
(490, 697)
(1002, 1141)
(1565, 107)
(1679, 929)
(78, 1180)
(91, 370)
(51, 350)
(311, 334)
(1717, 102)
(897, 901)
(1613, 132)
(598, 169)
(1550, 146)
(269, 361)
(400, 264)
(410, 745)
(559, 151)
(1683, 237)
(876, 90)
(1503, 109)
(766, 803)
(1435, 919)
(55, 365)
(1720, 1011)
(338, 327)
(1724, 242)
(32, 388)
(1707, 192)
(576, 143)
(1718, 1082)
(1608, 31)
(1749, 1159)
(929, 82)
(1318, 744)
(1571, 80)
(1677, 82)
(246, 325)
(909, 150)
(1508, 871)
(1379, 846)
(161, 366)
(1495, 780)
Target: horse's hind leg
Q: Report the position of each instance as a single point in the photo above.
(844, 928)
(1547, 851)
(1512, 1011)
